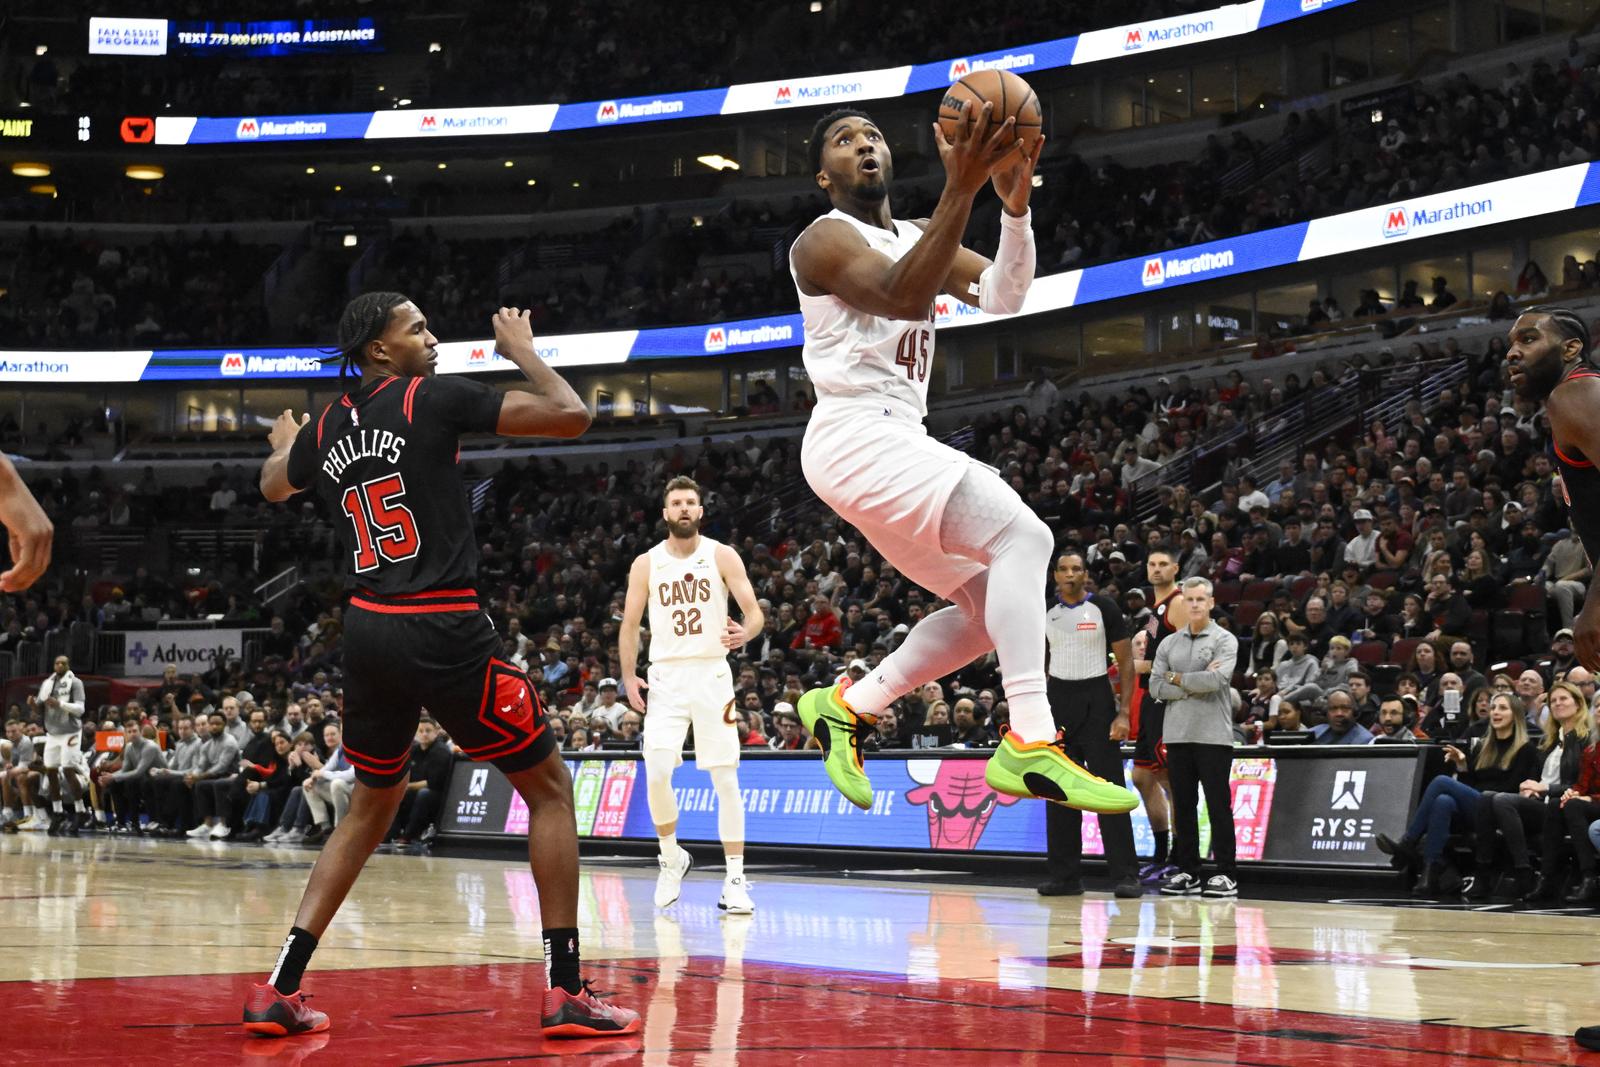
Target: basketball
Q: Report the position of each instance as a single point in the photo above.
(1010, 95)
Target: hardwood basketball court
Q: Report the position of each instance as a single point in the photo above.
(140, 952)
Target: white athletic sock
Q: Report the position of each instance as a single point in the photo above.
(735, 866)
(985, 520)
(6, 815)
(27, 811)
(730, 805)
(941, 644)
(669, 846)
(82, 805)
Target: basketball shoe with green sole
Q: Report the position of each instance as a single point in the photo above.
(1040, 769)
(838, 730)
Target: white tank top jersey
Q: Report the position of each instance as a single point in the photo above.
(851, 355)
(688, 605)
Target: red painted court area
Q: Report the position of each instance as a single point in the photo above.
(766, 1015)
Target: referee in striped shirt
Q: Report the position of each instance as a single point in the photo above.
(1080, 630)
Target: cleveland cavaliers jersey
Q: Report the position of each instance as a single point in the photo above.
(851, 355)
(385, 459)
(688, 605)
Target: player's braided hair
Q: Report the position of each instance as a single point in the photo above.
(1569, 324)
(820, 130)
(362, 322)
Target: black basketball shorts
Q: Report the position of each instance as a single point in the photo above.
(407, 655)
(1147, 724)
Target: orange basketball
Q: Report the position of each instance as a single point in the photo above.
(1011, 96)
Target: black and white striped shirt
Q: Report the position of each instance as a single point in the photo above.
(1080, 636)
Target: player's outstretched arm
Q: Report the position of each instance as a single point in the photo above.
(628, 636)
(548, 407)
(737, 579)
(275, 484)
(29, 528)
(1571, 410)
(833, 258)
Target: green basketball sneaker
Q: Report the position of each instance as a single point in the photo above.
(838, 730)
(1041, 769)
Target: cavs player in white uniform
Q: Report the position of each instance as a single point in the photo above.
(867, 283)
(686, 580)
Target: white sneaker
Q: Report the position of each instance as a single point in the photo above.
(34, 823)
(199, 831)
(293, 837)
(220, 831)
(274, 837)
(1181, 884)
(736, 896)
(669, 883)
(1220, 885)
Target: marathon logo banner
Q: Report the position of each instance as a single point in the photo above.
(126, 38)
(1529, 196)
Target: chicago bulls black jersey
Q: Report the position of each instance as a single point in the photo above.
(1159, 630)
(1580, 481)
(386, 459)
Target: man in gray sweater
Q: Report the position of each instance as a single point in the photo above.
(140, 755)
(1193, 673)
(219, 758)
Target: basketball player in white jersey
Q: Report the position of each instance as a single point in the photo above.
(867, 283)
(686, 580)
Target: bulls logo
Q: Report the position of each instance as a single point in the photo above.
(136, 130)
(960, 803)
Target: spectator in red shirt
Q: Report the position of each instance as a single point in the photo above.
(822, 629)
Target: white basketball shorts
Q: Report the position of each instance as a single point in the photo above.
(698, 693)
(885, 476)
(63, 750)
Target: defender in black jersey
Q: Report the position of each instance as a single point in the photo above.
(1147, 718)
(1548, 360)
(385, 459)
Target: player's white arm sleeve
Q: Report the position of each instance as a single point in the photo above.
(1004, 283)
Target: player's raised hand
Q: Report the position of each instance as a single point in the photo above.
(976, 150)
(513, 327)
(1013, 178)
(733, 636)
(634, 687)
(285, 428)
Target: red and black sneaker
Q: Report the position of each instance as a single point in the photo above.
(584, 1014)
(273, 1014)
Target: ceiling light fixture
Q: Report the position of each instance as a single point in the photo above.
(145, 172)
(718, 162)
(31, 170)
